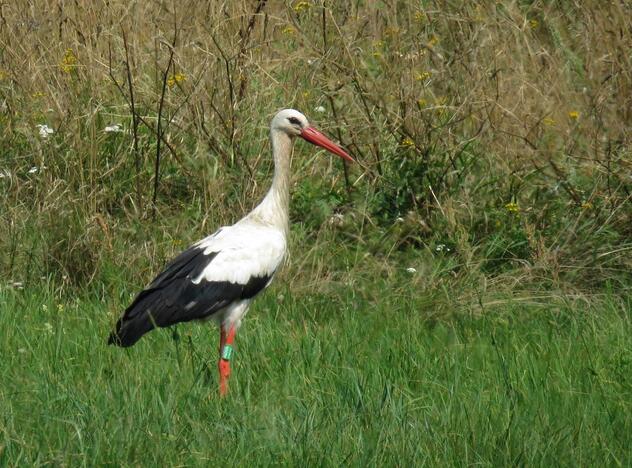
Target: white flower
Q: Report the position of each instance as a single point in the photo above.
(320, 109)
(399, 220)
(34, 170)
(336, 219)
(113, 128)
(440, 247)
(4, 173)
(45, 130)
(17, 284)
(411, 270)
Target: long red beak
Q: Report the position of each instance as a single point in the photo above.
(316, 138)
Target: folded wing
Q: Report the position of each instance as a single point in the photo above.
(234, 264)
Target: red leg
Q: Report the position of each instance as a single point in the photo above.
(222, 339)
(225, 354)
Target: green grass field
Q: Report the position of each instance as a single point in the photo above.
(326, 380)
(461, 295)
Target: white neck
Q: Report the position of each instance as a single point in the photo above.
(274, 209)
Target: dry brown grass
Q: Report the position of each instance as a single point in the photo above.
(452, 110)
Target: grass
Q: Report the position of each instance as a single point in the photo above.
(354, 378)
(493, 150)
(453, 110)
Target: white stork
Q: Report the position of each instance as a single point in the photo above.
(217, 277)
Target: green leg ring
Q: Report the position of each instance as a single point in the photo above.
(227, 352)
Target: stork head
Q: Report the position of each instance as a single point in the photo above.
(293, 123)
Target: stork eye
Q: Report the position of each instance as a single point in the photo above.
(294, 121)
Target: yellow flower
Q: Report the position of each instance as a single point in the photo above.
(408, 142)
(478, 13)
(305, 94)
(301, 6)
(441, 101)
(512, 207)
(288, 31)
(377, 54)
(423, 76)
(378, 44)
(175, 79)
(574, 115)
(421, 102)
(68, 62)
(434, 40)
(38, 94)
(548, 121)
(419, 16)
(439, 105)
(534, 23)
(587, 205)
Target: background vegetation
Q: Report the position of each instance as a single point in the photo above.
(491, 198)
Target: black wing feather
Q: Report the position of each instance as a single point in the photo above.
(172, 297)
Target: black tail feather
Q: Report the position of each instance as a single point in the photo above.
(128, 332)
(122, 336)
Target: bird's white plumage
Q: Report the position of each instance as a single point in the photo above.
(245, 250)
(233, 314)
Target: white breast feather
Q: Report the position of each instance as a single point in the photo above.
(244, 250)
